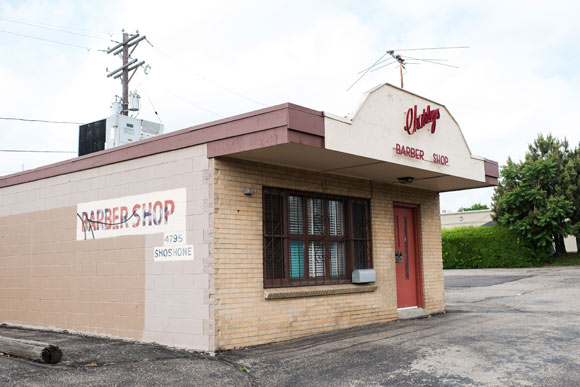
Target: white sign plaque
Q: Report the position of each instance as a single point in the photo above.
(151, 213)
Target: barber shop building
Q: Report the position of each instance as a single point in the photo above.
(258, 228)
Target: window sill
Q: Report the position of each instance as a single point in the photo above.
(316, 291)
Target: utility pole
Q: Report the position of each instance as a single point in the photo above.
(125, 77)
(129, 65)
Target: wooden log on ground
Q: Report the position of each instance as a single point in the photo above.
(28, 349)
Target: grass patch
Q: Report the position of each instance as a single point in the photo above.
(570, 259)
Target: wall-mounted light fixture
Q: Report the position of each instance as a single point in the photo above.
(406, 179)
(248, 191)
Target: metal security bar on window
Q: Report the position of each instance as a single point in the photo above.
(296, 227)
(335, 218)
(273, 237)
(312, 239)
(295, 215)
(336, 228)
(316, 259)
(336, 259)
(361, 235)
(315, 217)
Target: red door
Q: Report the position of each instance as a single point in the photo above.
(406, 254)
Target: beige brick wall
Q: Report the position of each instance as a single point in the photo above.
(178, 294)
(242, 315)
(108, 286)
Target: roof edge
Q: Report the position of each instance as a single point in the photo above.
(273, 116)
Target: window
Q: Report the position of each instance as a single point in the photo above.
(313, 239)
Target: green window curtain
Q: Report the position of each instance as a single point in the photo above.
(296, 259)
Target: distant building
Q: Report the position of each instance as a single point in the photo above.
(483, 218)
(468, 218)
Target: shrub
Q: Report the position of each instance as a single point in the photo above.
(484, 247)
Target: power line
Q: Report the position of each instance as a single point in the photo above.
(46, 27)
(154, 110)
(129, 41)
(210, 80)
(43, 121)
(33, 151)
(52, 25)
(430, 48)
(193, 103)
(46, 40)
(161, 86)
(151, 102)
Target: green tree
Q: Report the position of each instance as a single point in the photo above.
(535, 196)
(475, 207)
(571, 177)
(565, 183)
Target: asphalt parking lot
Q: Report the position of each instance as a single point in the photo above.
(504, 327)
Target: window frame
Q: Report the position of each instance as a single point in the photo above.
(347, 238)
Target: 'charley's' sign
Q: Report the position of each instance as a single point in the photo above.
(416, 122)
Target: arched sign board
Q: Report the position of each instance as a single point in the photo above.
(406, 130)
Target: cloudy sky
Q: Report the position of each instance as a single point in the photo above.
(213, 59)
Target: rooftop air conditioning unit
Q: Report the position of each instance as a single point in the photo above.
(114, 131)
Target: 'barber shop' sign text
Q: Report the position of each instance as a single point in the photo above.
(150, 213)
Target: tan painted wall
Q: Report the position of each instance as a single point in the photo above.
(244, 317)
(49, 279)
(108, 286)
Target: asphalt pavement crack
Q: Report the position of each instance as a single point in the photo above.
(239, 368)
(523, 293)
(115, 363)
(507, 309)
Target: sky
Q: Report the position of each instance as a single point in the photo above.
(212, 59)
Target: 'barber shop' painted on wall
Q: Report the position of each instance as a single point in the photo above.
(155, 212)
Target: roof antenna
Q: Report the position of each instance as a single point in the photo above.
(403, 60)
